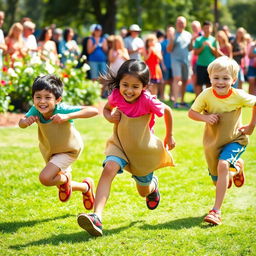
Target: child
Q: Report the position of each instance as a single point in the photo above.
(133, 146)
(59, 142)
(153, 57)
(224, 138)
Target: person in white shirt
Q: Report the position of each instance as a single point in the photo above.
(28, 37)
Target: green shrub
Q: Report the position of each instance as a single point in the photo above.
(17, 81)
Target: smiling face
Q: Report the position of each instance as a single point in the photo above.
(130, 88)
(221, 82)
(45, 102)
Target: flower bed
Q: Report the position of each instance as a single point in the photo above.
(17, 80)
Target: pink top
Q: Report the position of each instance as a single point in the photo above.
(145, 104)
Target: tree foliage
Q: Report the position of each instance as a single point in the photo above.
(113, 14)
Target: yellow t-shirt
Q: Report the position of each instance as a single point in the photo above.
(209, 102)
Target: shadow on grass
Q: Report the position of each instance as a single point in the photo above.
(71, 238)
(177, 224)
(10, 227)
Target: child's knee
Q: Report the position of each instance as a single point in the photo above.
(110, 169)
(223, 167)
(44, 179)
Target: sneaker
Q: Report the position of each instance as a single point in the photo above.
(239, 178)
(176, 105)
(91, 223)
(213, 217)
(88, 196)
(153, 199)
(184, 105)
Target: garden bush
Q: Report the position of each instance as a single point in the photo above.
(17, 80)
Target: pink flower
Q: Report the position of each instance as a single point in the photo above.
(3, 82)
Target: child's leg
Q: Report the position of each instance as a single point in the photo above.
(222, 183)
(147, 186)
(51, 175)
(103, 189)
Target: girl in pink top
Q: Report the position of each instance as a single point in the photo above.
(133, 146)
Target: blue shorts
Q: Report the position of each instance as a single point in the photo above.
(251, 72)
(141, 180)
(97, 68)
(167, 74)
(230, 153)
(240, 78)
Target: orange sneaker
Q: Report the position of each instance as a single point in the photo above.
(213, 217)
(88, 197)
(240, 177)
(65, 189)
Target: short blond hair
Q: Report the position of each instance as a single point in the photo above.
(224, 63)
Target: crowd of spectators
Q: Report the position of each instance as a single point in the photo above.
(176, 58)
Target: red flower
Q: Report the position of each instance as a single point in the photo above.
(5, 69)
(3, 82)
(65, 75)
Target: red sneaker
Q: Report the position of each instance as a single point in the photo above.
(88, 197)
(213, 217)
(65, 190)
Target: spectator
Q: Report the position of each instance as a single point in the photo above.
(153, 57)
(97, 52)
(251, 75)
(239, 50)
(57, 37)
(166, 63)
(28, 37)
(123, 32)
(206, 47)
(134, 43)
(179, 46)
(230, 36)
(3, 46)
(47, 48)
(68, 47)
(224, 44)
(118, 54)
(15, 44)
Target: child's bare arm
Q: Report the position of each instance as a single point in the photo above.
(27, 121)
(111, 116)
(169, 139)
(210, 119)
(85, 112)
(248, 129)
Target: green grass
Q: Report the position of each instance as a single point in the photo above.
(34, 222)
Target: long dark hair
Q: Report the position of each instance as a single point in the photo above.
(133, 67)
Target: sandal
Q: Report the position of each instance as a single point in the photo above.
(88, 196)
(65, 190)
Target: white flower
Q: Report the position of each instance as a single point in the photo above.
(69, 62)
(65, 80)
(29, 70)
(83, 57)
(72, 73)
(49, 68)
(12, 73)
(35, 60)
(66, 53)
(85, 67)
(75, 62)
(17, 64)
(59, 55)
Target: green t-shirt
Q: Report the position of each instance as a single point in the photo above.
(61, 108)
(206, 56)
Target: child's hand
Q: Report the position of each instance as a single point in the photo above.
(247, 129)
(115, 116)
(169, 142)
(212, 119)
(59, 118)
(30, 120)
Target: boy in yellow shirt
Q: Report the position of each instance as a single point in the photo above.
(225, 138)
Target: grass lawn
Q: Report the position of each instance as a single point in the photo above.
(34, 222)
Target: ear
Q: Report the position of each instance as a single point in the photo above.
(58, 100)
